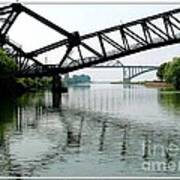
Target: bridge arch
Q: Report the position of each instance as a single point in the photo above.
(129, 71)
(136, 71)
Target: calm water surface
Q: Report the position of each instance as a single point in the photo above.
(101, 130)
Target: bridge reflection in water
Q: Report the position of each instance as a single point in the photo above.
(100, 129)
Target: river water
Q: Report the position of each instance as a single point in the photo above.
(98, 130)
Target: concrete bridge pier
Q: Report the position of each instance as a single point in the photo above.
(126, 74)
(57, 91)
(126, 81)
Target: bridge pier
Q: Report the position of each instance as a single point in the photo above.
(56, 90)
(126, 81)
(126, 75)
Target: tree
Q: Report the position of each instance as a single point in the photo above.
(7, 65)
(161, 71)
(172, 72)
(7, 69)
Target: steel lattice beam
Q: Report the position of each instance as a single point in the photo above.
(165, 35)
(128, 41)
(13, 11)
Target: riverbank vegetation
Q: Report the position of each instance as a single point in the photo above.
(170, 72)
(15, 86)
(7, 69)
(33, 84)
(149, 84)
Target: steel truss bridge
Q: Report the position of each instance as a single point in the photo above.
(129, 71)
(125, 39)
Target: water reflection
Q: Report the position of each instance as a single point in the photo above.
(104, 130)
(124, 143)
(102, 136)
(73, 139)
(170, 99)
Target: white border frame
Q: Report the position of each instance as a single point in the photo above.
(95, 2)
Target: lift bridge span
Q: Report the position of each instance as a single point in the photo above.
(153, 32)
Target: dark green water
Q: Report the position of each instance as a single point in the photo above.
(102, 130)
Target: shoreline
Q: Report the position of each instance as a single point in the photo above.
(158, 85)
(149, 84)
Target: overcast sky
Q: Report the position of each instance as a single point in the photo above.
(86, 19)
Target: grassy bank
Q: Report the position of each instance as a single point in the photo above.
(121, 82)
(158, 85)
(149, 84)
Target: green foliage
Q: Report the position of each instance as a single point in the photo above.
(7, 65)
(10, 85)
(172, 72)
(7, 69)
(171, 100)
(161, 71)
(35, 83)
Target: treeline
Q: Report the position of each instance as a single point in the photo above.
(170, 72)
(7, 65)
(12, 86)
(7, 69)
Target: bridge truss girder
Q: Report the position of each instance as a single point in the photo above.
(166, 34)
(26, 61)
(153, 32)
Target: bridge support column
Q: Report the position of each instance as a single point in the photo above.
(56, 91)
(126, 80)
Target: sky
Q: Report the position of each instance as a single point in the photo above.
(87, 18)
